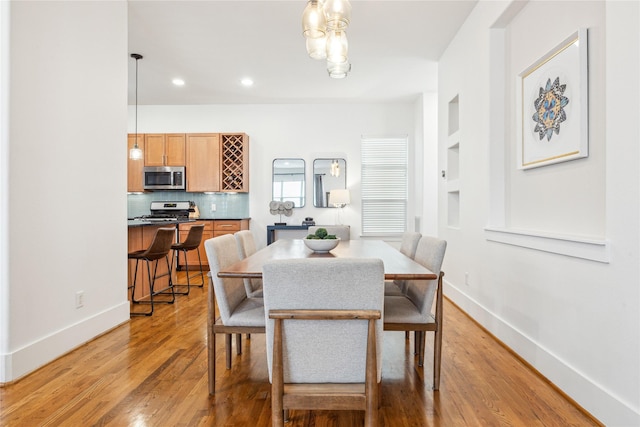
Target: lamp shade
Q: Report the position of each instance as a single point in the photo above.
(339, 197)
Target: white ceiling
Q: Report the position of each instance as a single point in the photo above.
(394, 47)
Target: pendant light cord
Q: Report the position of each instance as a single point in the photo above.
(136, 56)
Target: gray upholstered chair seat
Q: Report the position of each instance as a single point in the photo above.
(249, 312)
(400, 309)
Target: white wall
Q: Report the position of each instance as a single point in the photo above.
(303, 131)
(65, 226)
(568, 304)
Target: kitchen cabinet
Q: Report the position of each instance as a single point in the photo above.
(229, 226)
(234, 162)
(203, 162)
(164, 149)
(134, 167)
(212, 228)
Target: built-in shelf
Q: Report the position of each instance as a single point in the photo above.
(454, 115)
(453, 164)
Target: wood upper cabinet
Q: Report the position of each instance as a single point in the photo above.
(234, 162)
(164, 149)
(134, 167)
(203, 162)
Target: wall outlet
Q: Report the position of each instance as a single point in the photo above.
(79, 299)
(213, 207)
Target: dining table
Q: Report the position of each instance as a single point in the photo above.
(397, 266)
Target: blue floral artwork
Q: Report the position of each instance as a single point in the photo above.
(549, 109)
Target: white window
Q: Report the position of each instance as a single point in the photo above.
(384, 186)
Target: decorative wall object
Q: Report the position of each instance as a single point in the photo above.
(552, 103)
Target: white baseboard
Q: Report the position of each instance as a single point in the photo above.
(600, 403)
(27, 359)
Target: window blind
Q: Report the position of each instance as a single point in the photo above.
(384, 185)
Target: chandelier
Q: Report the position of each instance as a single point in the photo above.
(324, 25)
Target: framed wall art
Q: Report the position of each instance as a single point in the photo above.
(552, 103)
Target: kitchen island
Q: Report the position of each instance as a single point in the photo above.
(141, 233)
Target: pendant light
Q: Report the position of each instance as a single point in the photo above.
(136, 152)
(324, 24)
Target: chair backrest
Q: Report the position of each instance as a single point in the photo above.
(246, 243)
(229, 292)
(341, 231)
(247, 247)
(324, 351)
(194, 237)
(161, 243)
(409, 243)
(430, 254)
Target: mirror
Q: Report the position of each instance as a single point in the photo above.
(328, 174)
(288, 184)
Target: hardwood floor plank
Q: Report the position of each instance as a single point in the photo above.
(152, 371)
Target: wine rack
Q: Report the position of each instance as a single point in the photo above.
(234, 162)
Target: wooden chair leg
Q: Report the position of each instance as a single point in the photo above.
(277, 377)
(421, 348)
(437, 357)
(238, 343)
(227, 338)
(211, 352)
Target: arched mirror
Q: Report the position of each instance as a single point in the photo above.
(328, 174)
(288, 183)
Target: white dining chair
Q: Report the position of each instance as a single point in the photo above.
(408, 247)
(247, 247)
(413, 310)
(324, 334)
(238, 313)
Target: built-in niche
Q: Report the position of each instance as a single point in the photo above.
(453, 164)
(288, 181)
(328, 174)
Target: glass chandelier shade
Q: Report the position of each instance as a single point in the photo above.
(317, 48)
(337, 46)
(338, 71)
(337, 14)
(314, 24)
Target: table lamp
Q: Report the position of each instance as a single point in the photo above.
(339, 199)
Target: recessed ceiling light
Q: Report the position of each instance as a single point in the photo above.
(246, 82)
(178, 82)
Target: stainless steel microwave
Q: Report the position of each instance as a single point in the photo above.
(164, 178)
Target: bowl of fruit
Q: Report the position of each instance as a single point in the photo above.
(321, 241)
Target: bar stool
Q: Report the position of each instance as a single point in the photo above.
(158, 249)
(192, 242)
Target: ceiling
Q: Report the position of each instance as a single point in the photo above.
(394, 47)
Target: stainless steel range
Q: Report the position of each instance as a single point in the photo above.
(167, 211)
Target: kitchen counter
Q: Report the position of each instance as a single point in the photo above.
(142, 223)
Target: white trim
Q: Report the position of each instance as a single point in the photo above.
(593, 249)
(583, 390)
(32, 356)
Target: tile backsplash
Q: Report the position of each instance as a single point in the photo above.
(227, 205)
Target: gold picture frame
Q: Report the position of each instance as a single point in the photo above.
(552, 101)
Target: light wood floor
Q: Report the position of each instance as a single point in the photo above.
(153, 372)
